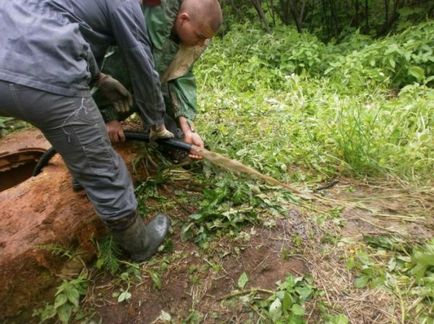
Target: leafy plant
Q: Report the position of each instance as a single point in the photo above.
(422, 261)
(369, 273)
(284, 102)
(67, 300)
(286, 305)
(58, 250)
(126, 278)
(8, 124)
(108, 255)
(227, 206)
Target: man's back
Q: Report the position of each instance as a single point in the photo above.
(58, 45)
(42, 48)
(109, 22)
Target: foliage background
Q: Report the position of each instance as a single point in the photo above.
(288, 101)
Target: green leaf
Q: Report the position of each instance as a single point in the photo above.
(99, 263)
(275, 310)
(73, 296)
(196, 217)
(361, 282)
(289, 283)
(392, 62)
(61, 299)
(338, 319)
(64, 313)
(155, 279)
(124, 296)
(164, 317)
(286, 302)
(242, 280)
(298, 310)
(417, 72)
(391, 265)
(304, 292)
(186, 233)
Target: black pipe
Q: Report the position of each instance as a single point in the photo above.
(170, 142)
(135, 136)
(43, 161)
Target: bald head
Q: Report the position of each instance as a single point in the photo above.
(197, 21)
(208, 13)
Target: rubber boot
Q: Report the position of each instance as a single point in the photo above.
(142, 241)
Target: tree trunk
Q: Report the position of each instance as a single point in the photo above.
(284, 11)
(237, 10)
(386, 15)
(293, 9)
(367, 15)
(334, 18)
(271, 8)
(262, 18)
(356, 15)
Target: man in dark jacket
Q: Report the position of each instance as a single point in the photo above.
(50, 54)
(174, 55)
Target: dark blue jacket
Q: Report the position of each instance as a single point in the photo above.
(58, 46)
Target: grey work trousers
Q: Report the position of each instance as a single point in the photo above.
(75, 128)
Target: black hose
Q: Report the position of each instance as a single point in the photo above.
(135, 136)
(43, 161)
(170, 142)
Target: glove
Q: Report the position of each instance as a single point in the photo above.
(160, 131)
(115, 92)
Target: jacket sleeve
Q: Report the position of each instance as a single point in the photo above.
(183, 100)
(130, 32)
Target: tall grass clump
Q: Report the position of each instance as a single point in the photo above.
(286, 102)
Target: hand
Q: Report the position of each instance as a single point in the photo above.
(191, 137)
(115, 92)
(195, 139)
(115, 131)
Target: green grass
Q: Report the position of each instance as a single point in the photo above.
(289, 103)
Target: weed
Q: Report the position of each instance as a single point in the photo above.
(57, 249)
(108, 255)
(286, 305)
(8, 124)
(66, 303)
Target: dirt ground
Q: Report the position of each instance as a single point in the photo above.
(200, 284)
(190, 283)
(204, 281)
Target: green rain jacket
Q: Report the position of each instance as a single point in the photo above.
(173, 62)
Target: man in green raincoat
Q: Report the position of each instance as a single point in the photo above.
(179, 32)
